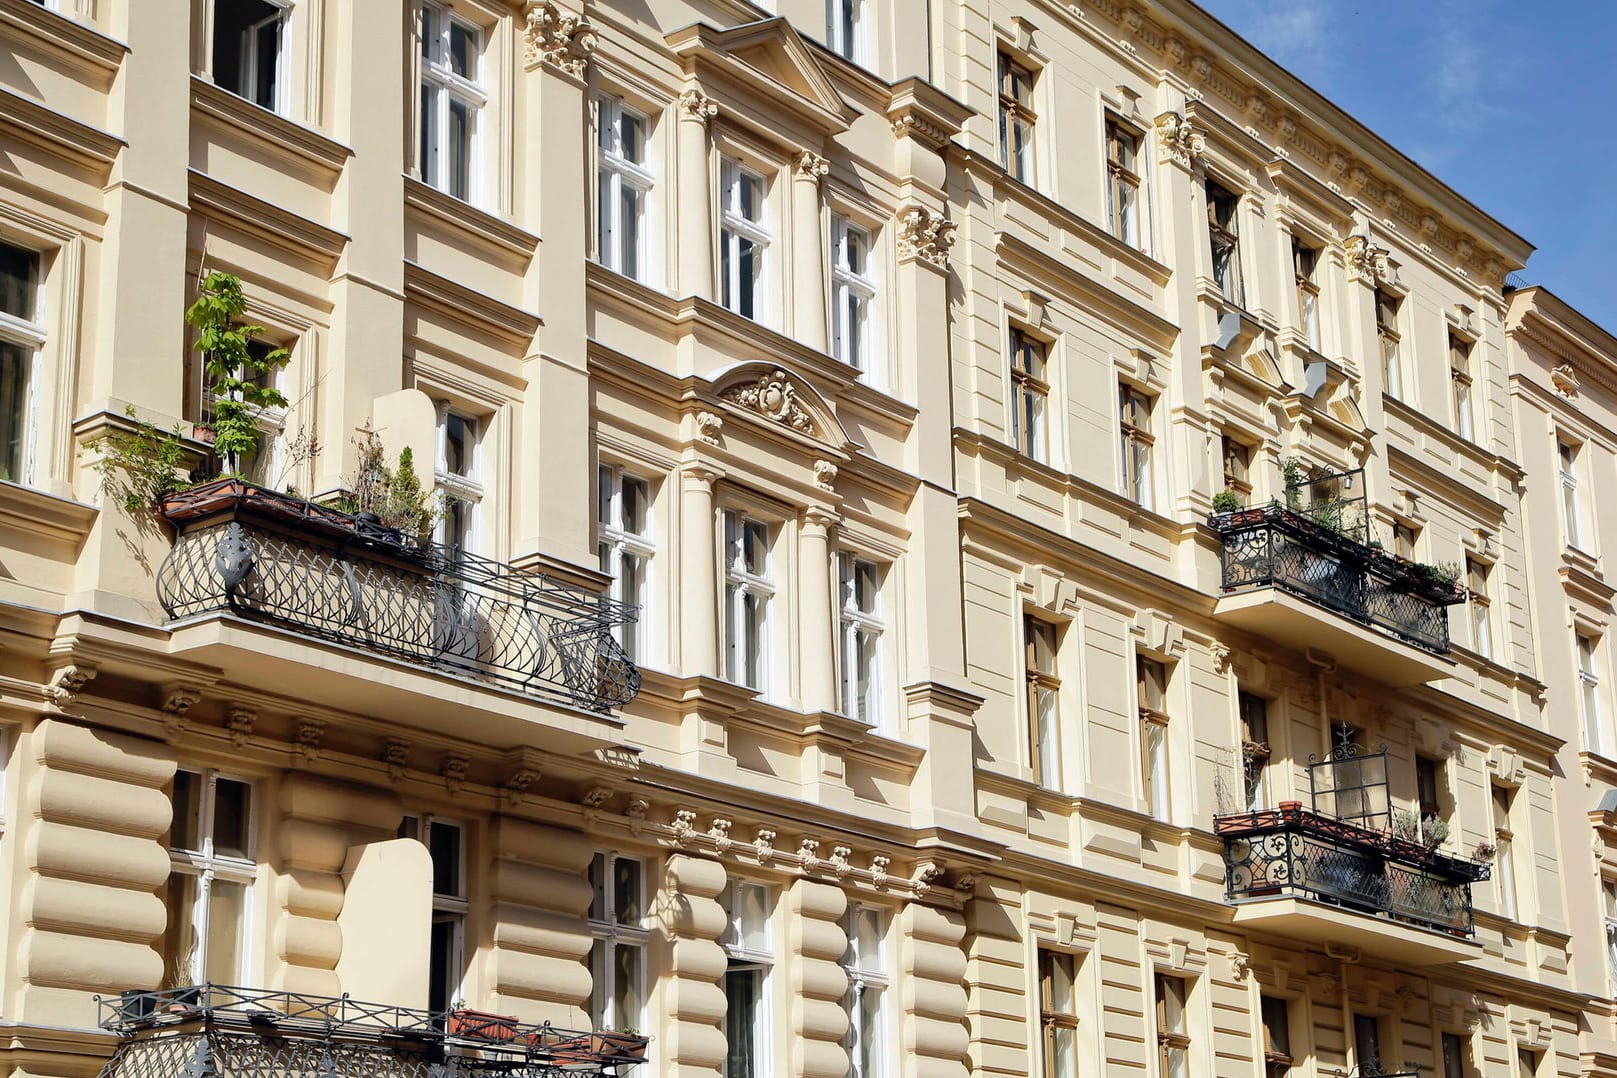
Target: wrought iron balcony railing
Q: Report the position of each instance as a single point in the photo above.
(1281, 547)
(230, 1032)
(1290, 851)
(258, 554)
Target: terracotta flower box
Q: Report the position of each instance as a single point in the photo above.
(482, 1025)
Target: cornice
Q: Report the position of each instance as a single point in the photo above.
(1432, 478)
(57, 133)
(921, 111)
(46, 516)
(274, 224)
(507, 323)
(1095, 299)
(84, 47)
(1545, 319)
(498, 237)
(320, 155)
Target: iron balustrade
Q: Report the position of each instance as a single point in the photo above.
(241, 549)
(1293, 852)
(224, 1031)
(1279, 547)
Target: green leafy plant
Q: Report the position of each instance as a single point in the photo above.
(234, 374)
(395, 496)
(1225, 501)
(1294, 473)
(139, 466)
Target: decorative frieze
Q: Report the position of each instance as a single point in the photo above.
(559, 38)
(925, 235)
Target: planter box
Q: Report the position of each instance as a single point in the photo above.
(482, 1025)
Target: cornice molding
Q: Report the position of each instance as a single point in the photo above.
(320, 155)
(509, 324)
(292, 232)
(85, 48)
(57, 133)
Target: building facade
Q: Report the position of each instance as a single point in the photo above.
(1001, 538)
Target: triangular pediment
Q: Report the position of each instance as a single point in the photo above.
(766, 57)
(772, 395)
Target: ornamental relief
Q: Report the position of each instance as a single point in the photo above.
(773, 396)
(559, 38)
(925, 235)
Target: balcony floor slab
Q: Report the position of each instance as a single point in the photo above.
(1281, 616)
(1317, 923)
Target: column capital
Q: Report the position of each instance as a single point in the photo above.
(818, 521)
(557, 37)
(1179, 141)
(924, 235)
(811, 167)
(696, 106)
(699, 475)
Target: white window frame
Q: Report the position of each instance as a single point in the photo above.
(1504, 852)
(451, 909)
(618, 547)
(1042, 696)
(857, 625)
(618, 174)
(1586, 650)
(853, 298)
(1309, 292)
(742, 956)
(1479, 571)
(734, 228)
(1017, 114)
(845, 28)
(1030, 394)
(1569, 457)
(1227, 236)
(611, 931)
(1127, 224)
(741, 640)
(447, 87)
(248, 58)
(466, 487)
(208, 866)
(1462, 354)
(28, 336)
(868, 977)
(1390, 342)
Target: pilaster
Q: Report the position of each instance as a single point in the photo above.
(816, 613)
(807, 301)
(698, 642)
(932, 992)
(817, 983)
(538, 968)
(695, 217)
(693, 993)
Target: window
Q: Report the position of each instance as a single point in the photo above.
(853, 290)
(743, 239)
(1173, 1036)
(1043, 700)
(1058, 1014)
(1123, 211)
(1237, 467)
(264, 366)
(1016, 118)
(1276, 1016)
(1255, 751)
(1453, 1056)
(1608, 894)
(21, 337)
(844, 28)
(624, 542)
(249, 50)
(1571, 497)
(865, 963)
(861, 630)
(1028, 392)
(211, 872)
(458, 479)
(1305, 268)
(1367, 1044)
(1404, 538)
(1460, 381)
(1223, 227)
(1428, 788)
(748, 590)
(451, 101)
(1135, 409)
(746, 979)
(1594, 725)
(446, 844)
(624, 186)
(618, 955)
(1476, 582)
(1392, 369)
(1151, 683)
(1526, 1063)
(1504, 862)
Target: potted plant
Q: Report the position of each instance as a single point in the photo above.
(622, 1043)
(480, 1025)
(236, 375)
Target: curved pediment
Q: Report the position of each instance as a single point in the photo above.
(768, 391)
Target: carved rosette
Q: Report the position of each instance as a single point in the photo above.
(695, 105)
(559, 38)
(773, 395)
(1179, 141)
(925, 235)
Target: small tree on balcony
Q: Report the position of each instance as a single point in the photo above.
(236, 377)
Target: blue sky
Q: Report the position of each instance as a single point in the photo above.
(1513, 105)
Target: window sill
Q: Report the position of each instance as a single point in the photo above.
(53, 518)
(502, 236)
(86, 48)
(321, 155)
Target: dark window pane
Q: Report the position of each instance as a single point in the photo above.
(187, 806)
(232, 805)
(443, 840)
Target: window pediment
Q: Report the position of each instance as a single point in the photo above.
(773, 395)
(764, 60)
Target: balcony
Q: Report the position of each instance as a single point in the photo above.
(217, 1030)
(1284, 564)
(264, 557)
(1337, 874)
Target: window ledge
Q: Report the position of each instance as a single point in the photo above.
(498, 233)
(326, 156)
(53, 518)
(87, 48)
